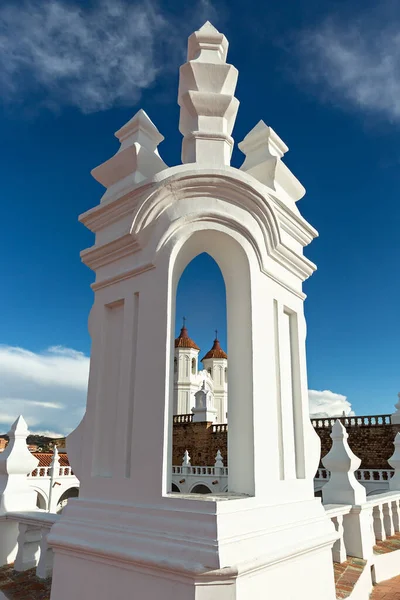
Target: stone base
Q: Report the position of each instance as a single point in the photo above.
(212, 550)
(308, 576)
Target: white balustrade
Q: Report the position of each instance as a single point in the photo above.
(201, 471)
(46, 472)
(336, 513)
(33, 550)
(385, 514)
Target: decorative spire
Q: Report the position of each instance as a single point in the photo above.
(186, 459)
(264, 150)
(342, 487)
(219, 461)
(15, 463)
(206, 97)
(137, 156)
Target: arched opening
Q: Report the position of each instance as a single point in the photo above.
(41, 501)
(235, 265)
(70, 493)
(201, 296)
(174, 488)
(200, 489)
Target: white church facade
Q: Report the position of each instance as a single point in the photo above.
(189, 378)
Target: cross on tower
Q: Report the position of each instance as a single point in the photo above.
(184, 321)
(216, 334)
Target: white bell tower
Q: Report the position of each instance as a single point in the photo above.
(215, 362)
(127, 535)
(186, 360)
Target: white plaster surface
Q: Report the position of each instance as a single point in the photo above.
(126, 533)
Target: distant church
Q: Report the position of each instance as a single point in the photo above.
(192, 385)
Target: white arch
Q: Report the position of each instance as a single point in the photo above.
(233, 255)
(199, 483)
(45, 498)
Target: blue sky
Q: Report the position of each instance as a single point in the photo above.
(325, 76)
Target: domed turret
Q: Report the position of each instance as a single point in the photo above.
(186, 360)
(215, 362)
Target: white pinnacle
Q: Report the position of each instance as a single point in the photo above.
(206, 97)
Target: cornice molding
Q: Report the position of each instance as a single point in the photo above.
(100, 255)
(98, 285)
(146, 203)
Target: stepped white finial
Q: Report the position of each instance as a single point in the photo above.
(219, 461)
(15, 463)
(186, 459)
(206, 97)
(342, 487)
(264, 150)
(137, 156)
(56, 458)
(395, 418)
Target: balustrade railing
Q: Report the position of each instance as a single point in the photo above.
(46, 472)
(33, 550)
(360, 474)
(385, 514)
(356, 421)
(200, 471)
(220, 428)
(336, 513)
(183, 418)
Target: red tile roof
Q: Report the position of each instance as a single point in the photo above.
(45, 459)
(215, 352)
(184, 341)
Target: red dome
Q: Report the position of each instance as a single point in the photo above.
(184, 341)
(215, 352)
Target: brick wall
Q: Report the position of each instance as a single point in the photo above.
(372, 443)
(201, 443)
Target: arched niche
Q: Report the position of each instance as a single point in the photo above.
(72, 492)
(41, 500)
(231, 253)
(200, 488)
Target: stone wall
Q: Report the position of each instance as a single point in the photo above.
(372, 443)
(201, 443)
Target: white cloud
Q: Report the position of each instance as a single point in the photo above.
(356, 61)
(47, 388)
(328, 404)
(57, 53)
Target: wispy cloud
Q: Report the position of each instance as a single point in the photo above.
(59, 53)
(48, 388)
(356, 61)
(328, 404)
